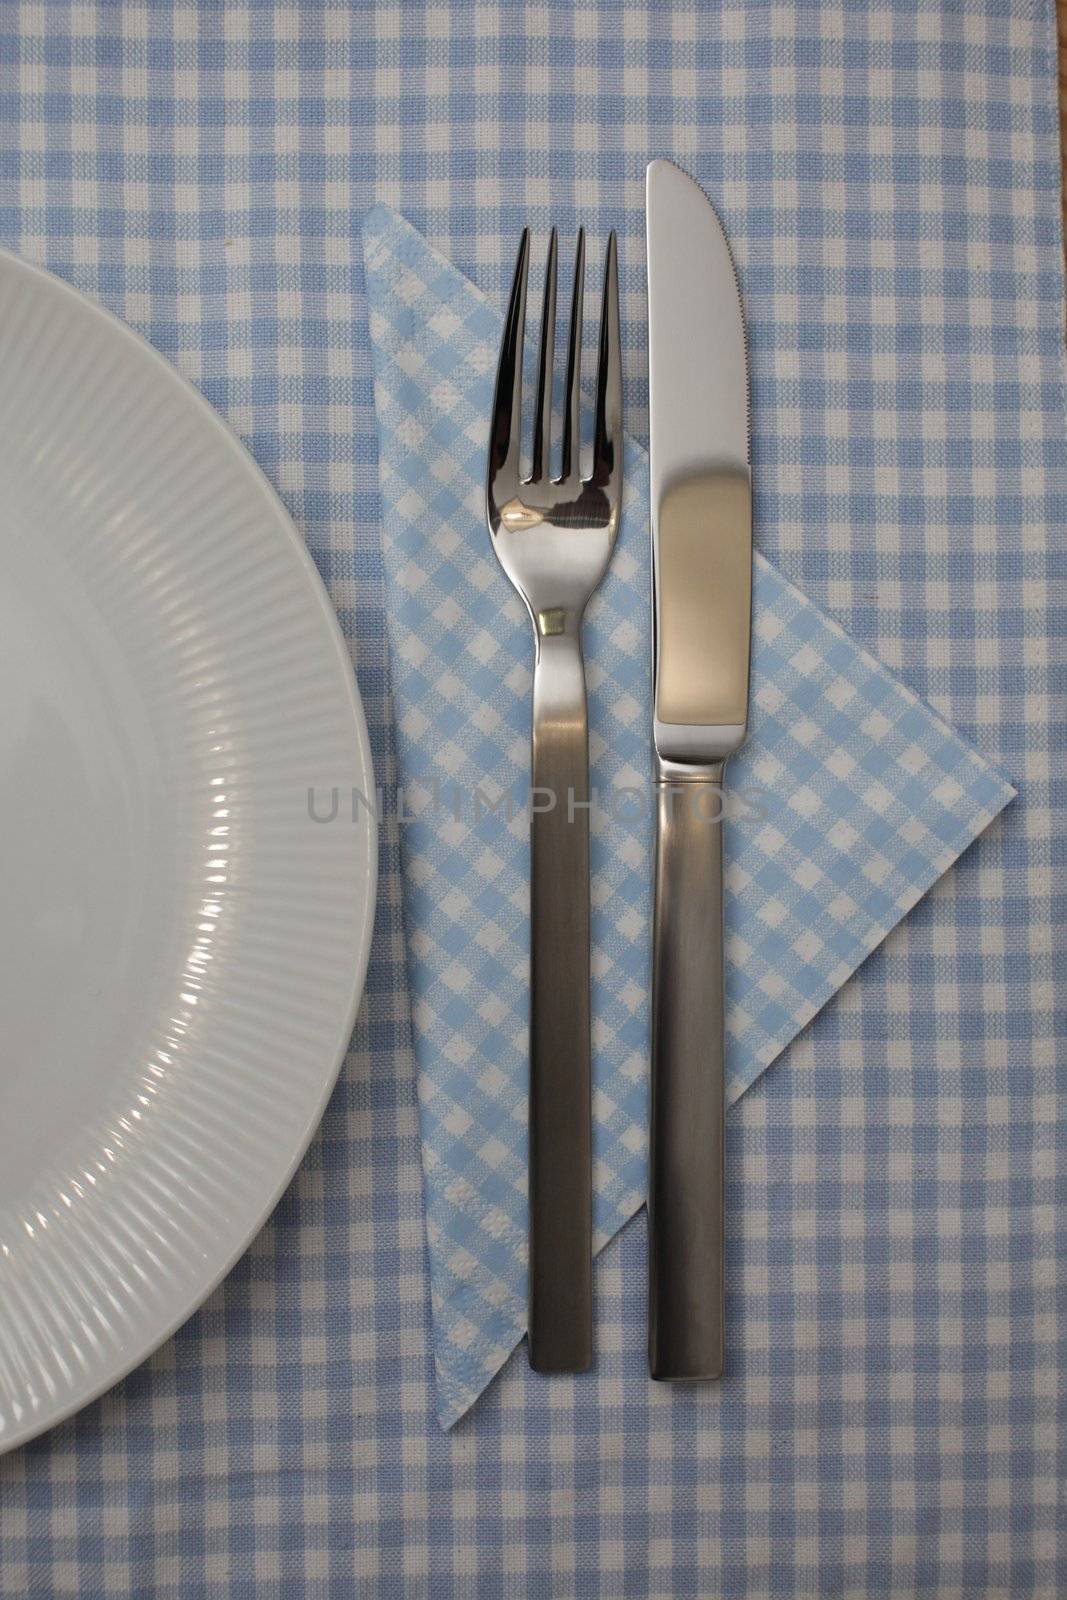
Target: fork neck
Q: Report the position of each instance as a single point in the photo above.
(559, 671)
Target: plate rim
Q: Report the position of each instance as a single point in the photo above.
(141, 347)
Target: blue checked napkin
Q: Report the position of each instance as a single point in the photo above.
(850, 799)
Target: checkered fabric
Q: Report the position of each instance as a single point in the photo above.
(892, 1424)
(851, 798)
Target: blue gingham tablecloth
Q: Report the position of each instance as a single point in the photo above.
(893, 1422)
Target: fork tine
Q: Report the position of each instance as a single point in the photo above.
(542, 439)
(573, 402)
(609, 372)
(507, 399)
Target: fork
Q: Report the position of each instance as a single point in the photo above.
(554, 538)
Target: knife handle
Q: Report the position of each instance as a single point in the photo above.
(560, 1306)
(685, 1186)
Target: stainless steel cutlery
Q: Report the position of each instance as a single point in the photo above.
(701, 595)
(553, 537)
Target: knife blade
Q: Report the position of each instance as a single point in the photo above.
(701, 599)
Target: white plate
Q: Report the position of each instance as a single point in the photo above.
(182, 948)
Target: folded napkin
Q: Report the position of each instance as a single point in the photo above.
(846, 804)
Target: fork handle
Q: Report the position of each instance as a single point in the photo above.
(685, 1180)
(560, 1311)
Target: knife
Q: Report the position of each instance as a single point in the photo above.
(701, 498)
